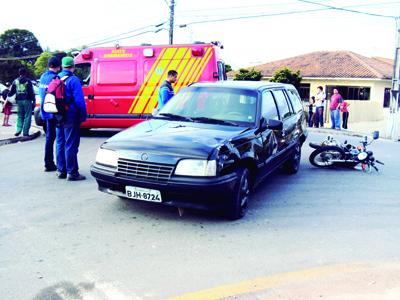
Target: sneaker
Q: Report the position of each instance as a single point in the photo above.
(17, 133)
(50, 169)
(61, 175)
(75, 177)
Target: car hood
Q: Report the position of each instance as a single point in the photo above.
(183, 139)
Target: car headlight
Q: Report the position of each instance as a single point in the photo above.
(107, 157)
(196, 167)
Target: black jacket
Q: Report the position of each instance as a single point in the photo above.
(30, 94)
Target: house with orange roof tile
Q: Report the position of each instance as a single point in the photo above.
(364, 81)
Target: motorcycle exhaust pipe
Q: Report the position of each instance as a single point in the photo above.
(343, 161)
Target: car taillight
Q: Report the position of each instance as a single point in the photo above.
(198, 51)
(87, 54)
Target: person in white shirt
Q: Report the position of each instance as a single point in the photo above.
(319, 104)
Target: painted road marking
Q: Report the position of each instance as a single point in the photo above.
(263, 283)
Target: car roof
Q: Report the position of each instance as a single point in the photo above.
(249, 85)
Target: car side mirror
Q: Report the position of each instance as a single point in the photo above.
(274, 124)
(269, 124)
(375, 135)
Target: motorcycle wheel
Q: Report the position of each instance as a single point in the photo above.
(324, 156)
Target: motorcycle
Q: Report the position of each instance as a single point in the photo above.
(331, 153)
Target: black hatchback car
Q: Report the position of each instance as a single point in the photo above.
(207, 147)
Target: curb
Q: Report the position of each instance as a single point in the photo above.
(20, 139)
(338, 132)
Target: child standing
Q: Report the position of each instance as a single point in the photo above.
(345, 113)
(6, 107)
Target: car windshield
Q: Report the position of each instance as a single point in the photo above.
(224, 106)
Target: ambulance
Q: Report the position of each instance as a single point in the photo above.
(121, 84)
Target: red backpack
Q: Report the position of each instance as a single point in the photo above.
(54, 101)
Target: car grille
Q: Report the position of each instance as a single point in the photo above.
(144, 170)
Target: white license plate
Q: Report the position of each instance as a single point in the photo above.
(138, 193)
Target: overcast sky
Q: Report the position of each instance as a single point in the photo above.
(247, 41)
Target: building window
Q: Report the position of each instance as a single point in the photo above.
(304, 91)
(386, 97)
(361, 93)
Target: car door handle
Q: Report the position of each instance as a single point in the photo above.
(90, 96)
(113, 102)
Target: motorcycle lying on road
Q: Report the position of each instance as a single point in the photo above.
(332, 153)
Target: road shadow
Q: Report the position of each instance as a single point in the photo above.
(167, 213)
(102, 132)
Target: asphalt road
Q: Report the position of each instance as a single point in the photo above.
(66, 240)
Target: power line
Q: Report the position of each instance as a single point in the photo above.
(280, 4)
(19, 58)
(127, 37)
(346, 9)
(116, 37)
(326, 7)
(253, 16)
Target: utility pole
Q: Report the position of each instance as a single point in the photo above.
(394, 119)
(171, 22)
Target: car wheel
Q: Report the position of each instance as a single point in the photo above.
(238, 206)
(38, 119)
(292, 165)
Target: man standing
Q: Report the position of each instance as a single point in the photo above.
(54, 65)
(319, 104)
(166, 90)
(25, 97)
(67, 130)
(336, 100)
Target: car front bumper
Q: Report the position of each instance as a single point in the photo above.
(186, 192)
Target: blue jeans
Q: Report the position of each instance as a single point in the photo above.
(67, 145)
(335, 119)
(49, 145)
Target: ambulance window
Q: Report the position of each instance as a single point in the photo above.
(117, 72)
(83, 73)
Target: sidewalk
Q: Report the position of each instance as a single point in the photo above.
(358, 129)
(7, 133)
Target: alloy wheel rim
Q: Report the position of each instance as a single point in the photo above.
(244, 194)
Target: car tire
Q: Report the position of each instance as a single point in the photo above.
(38, 119)
(84, 131)
(238, 206)
(292, 165)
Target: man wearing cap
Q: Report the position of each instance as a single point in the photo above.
(54, 65)
(67, 131)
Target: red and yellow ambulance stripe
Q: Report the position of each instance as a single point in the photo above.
(189, 70)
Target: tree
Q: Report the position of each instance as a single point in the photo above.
(19, 43)
(41, 63)
(252, 75)
(228, 68)
(9, 70)
(285, 75)
(16, 43)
